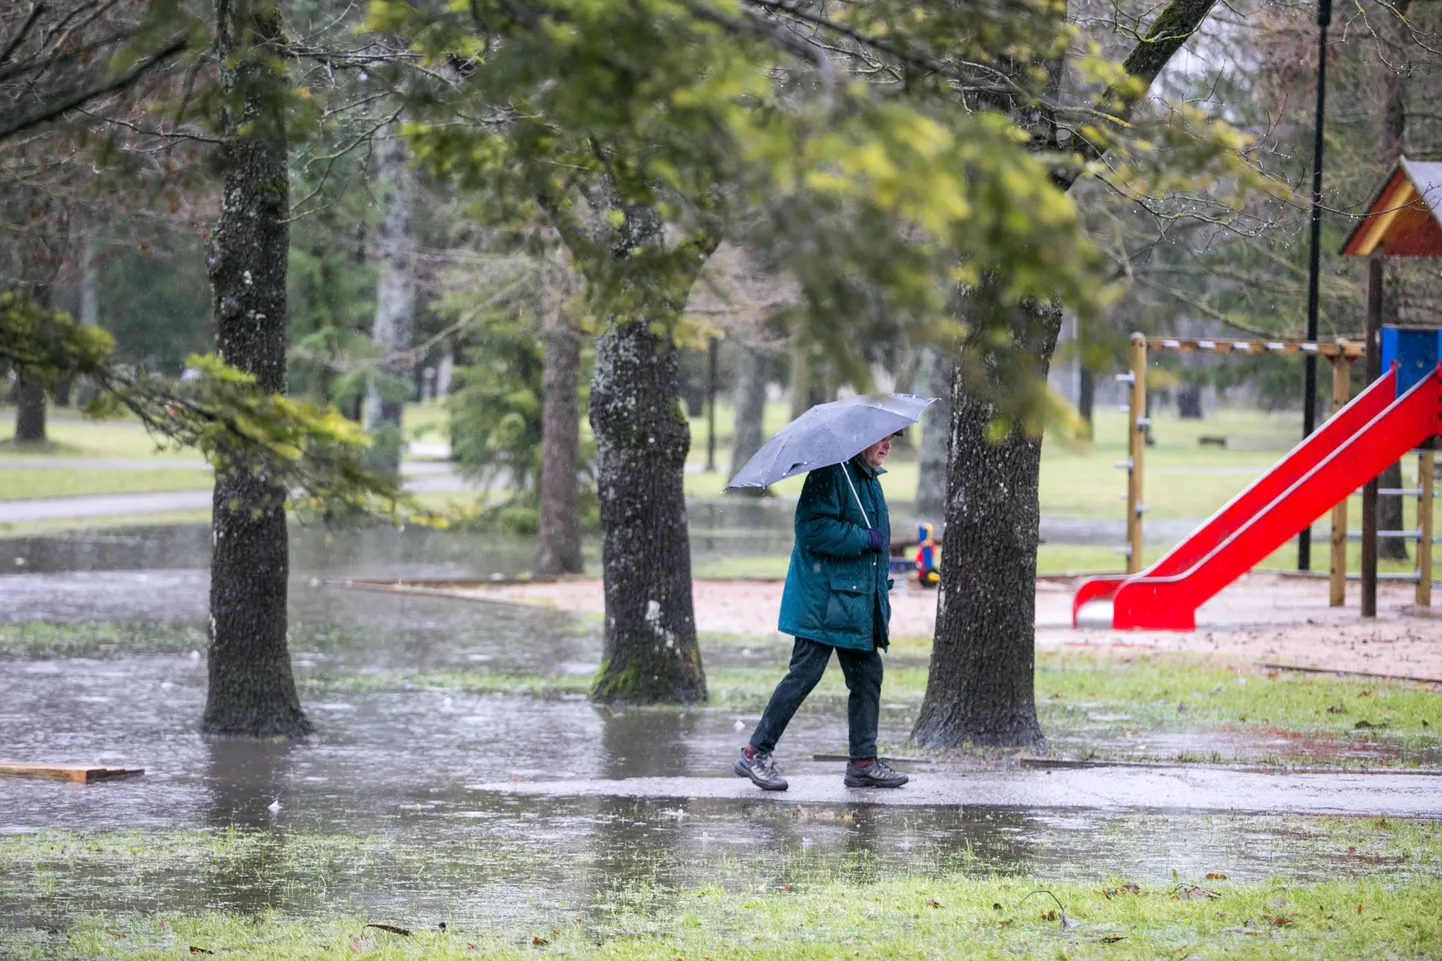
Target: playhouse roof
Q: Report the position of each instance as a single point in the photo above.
(1404, 217)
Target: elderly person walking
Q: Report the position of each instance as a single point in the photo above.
(835, 598)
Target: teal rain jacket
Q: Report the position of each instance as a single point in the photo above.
(836, 590)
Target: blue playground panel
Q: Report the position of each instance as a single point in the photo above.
(1415, 349)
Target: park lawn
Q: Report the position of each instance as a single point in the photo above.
(900, 916)
(794, 911)
(28, 483)
(1081, 479)
(71, 435)
(1057, 560)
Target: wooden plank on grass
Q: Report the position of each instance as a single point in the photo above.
(72, 772)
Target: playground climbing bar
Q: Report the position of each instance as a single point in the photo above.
(1341, 353)
(1400, 410)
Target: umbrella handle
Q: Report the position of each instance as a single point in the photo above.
(847, 474)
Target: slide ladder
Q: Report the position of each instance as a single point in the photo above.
(1352, 447)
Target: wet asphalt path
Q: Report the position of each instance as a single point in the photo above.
(1189, 789)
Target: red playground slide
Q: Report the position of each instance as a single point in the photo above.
(1350, 448)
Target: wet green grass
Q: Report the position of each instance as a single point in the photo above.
(1158, 692)
(1380, 901)
(895, 918)
(99, 639)
(31, 483)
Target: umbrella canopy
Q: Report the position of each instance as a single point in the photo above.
(829, 434)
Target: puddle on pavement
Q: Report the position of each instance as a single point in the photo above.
(375, 814)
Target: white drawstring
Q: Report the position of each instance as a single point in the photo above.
(846, 471)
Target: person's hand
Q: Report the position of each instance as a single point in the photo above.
(876, 540)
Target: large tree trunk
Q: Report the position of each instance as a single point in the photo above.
(803, 378)
(252, 691)
(642, 438)
(390, 384)
(1189, 401)
(980, 687)
(1086, 396)
(29, 409)
(559, 550)
(934, 372)
(749, 432)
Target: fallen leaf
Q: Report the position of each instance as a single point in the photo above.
(1337, 709)
(1216, 876)
(391, 928)
(933, 902)
(1280, 922)
(539, 942)
(114, 934)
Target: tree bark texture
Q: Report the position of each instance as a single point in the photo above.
(559, 550)
(389, 386)
(29, 409)
(650, 653)
(934, 373)
(803, 377)
(1189, 401)
(749, 433)
(252, 691)
(1086, 396)
(980, 687)
(30, 391)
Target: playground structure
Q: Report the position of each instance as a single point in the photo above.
(1399, 411)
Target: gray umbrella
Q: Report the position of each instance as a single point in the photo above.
(830, 434)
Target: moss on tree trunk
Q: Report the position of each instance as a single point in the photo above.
(980, 687)
(252, 691)
(642, 438)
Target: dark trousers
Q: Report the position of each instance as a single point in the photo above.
(808, 662)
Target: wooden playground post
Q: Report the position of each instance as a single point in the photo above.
(1425, 466)
(1136, 444)
(1341, 391)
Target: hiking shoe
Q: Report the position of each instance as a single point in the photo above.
(875, 774)
(761, 769)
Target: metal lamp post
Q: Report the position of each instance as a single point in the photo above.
(1309, 388)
